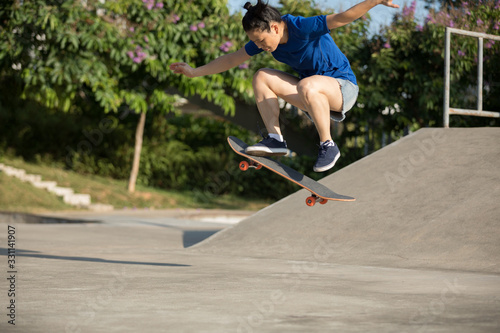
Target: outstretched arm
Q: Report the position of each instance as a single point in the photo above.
(218, 65)
(337, 20)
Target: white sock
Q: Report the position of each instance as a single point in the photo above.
(330, 143)
(276, 137)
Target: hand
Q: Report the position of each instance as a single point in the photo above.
(388, 3)
(182, 68)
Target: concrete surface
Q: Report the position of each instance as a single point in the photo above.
(430, 200)
(415, 254)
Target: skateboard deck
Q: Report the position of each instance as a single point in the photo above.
(319, 192)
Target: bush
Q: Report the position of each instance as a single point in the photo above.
(185, 153)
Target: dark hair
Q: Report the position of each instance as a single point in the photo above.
(260, 16)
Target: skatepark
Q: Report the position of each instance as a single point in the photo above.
(418, 251)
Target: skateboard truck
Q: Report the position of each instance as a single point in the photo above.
(244, 165)
(319, 192)
(311, 201)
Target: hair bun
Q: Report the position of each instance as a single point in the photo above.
(247, 6)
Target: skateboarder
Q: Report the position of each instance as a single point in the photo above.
(326, 87)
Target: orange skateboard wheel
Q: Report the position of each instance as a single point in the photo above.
(244, 165)
(311, 201)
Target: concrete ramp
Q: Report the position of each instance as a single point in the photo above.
(430, 200)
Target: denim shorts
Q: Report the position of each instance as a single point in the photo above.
(349, 96)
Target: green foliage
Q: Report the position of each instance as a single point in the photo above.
(405, 65)
(192, 153)
(183, 153)
(117, 52)
(89, 58)
(400, 71)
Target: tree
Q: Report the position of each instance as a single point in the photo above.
(117, 53)
(444, 3)
(78, 55)
(405, 64)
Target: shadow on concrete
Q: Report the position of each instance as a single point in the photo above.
(190, 237)
(36, 254)
(193, 237)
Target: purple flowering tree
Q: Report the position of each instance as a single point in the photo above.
(116, 54)
(405, 66)
(169, 31)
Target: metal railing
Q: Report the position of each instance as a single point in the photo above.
(479, 112)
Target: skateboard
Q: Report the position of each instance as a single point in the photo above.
(319, 193)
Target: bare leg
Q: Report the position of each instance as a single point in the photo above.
(317, 95)
(268, 85)
(320, 95)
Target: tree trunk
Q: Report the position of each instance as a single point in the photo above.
(139, 133)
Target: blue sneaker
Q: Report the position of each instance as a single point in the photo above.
(268, 147)
(328, 155)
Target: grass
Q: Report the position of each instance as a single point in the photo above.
(23, 197)
(17, 196)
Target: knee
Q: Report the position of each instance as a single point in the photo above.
(307, 89)
(261, 76)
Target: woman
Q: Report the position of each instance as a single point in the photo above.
(326, 87)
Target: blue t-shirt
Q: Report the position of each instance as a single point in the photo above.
(310, 50)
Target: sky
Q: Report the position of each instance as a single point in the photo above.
(381, 15)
